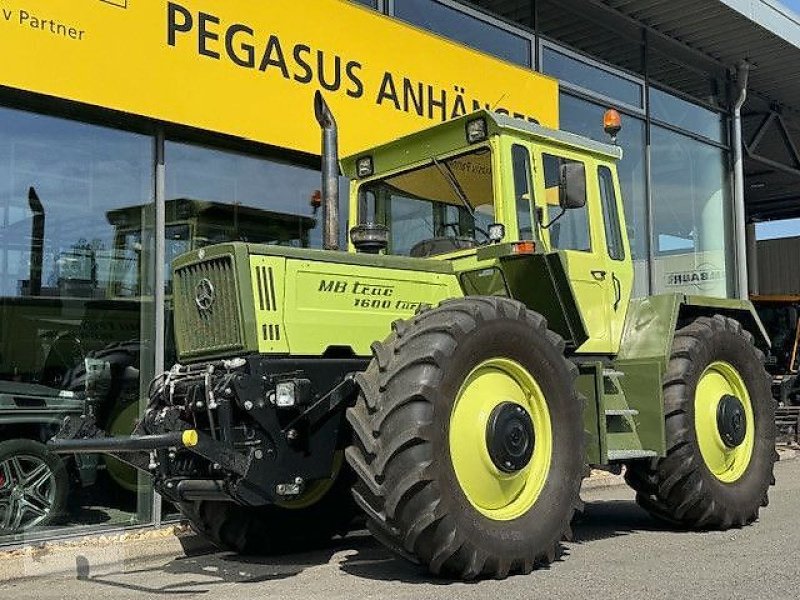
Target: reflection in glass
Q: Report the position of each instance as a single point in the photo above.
(75, 316)
(677, 112)
(466, 29)
(592, 78)
(691, 202)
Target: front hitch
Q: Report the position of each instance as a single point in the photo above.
(84, 437)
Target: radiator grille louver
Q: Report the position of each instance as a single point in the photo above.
(266, 289)
(267, 302)
(218, 328)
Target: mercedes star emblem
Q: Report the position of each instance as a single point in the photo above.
(204, 294)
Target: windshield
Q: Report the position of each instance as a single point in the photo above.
(442, 207)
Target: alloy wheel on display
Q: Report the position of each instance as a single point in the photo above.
(27, 493)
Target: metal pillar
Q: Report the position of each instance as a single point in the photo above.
(160, 275)
(752, 258)
(740, 233)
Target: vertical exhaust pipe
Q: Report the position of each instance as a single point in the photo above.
(37, 243)
(330, 173)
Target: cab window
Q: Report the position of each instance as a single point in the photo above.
(616, 251)
(521, 162)
(569, 231)
(444, 206)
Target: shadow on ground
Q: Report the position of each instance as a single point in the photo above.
(361, 556)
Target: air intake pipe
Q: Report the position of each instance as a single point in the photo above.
(330, 173)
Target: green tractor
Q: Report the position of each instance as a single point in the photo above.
(453, 372)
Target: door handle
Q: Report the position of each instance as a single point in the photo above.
(599, 275)
(617, 291)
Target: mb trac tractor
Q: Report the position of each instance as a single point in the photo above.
(451, 375)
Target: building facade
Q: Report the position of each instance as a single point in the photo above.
(133, 131)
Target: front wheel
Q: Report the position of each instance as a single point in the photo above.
(720, 429)
(323, 511)
(469, 440)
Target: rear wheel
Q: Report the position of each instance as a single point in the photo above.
(720, 426)
(469, 440)
(325, 510)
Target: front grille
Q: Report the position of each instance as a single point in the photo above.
(203, 326)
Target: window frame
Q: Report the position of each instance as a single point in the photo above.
(562, 154)
(529, 181)
(612, 226)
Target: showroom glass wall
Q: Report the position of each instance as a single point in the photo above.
(77, 317)
(679, 217)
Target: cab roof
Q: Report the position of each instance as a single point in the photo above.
(450, 136)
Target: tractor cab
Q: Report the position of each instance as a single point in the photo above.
(469, 187)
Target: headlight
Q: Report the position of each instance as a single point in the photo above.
(285, 394)
(497, 231)
(364, 167)
(476, 131)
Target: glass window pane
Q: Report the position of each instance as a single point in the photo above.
(616, 250)
(677, 112)
(577, 72)
(435, 209)
(667, 66)
(469, 30)
(691, 203)
(370, 3)
(568, 230)
(521, 162)
(585, 26)
(76, 310)
(586, 118)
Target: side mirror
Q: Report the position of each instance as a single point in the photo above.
(572, 185)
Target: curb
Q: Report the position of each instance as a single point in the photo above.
(99, 555)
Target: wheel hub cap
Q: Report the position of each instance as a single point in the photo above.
(724, 422)
(501, 439)
(510, 437)
(731, 421)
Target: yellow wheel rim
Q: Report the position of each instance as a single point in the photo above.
(727, 464)
(316, 490)
(499, 495)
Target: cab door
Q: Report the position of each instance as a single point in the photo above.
(619, 263)
(578, 233)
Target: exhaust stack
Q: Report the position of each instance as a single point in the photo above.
(330, 173)
(37, 243)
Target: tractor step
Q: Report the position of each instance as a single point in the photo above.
(630, 454)
(612, 373)
(621, 412)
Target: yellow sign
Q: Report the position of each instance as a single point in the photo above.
(250, 68)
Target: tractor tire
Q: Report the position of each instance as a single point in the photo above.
(720, 431)
(34, 485)
(306, 524)
(117, 407)
(469, 440)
